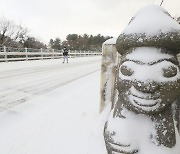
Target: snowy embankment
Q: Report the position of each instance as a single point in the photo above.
(65, 120)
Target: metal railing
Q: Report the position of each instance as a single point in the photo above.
(20, 54)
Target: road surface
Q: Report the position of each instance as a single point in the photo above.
(18, 84)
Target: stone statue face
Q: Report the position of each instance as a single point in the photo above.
(149, 80)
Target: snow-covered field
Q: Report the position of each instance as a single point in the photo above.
(62, 118)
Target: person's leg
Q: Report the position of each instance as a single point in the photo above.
(67, 58)
(63, 59)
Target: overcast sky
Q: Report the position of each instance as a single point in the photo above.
(47, 19)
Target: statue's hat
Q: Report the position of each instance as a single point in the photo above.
(152, 26)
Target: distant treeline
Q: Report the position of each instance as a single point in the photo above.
(80, 42)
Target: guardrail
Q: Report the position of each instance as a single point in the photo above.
(18, 54)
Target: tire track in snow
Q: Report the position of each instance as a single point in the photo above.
(41, 69)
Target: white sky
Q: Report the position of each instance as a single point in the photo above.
(47, 19)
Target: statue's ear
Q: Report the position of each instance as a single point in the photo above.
(176, 110)
(178, 56)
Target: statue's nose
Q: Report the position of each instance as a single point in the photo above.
(146, 86)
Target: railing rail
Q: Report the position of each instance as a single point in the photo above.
(18, 54)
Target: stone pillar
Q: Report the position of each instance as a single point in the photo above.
(110, 58)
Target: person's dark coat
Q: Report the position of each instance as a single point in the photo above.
(65, 52)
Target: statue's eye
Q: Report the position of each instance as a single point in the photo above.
(169, 72)
(126, 70)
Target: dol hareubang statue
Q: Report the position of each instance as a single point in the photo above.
(145, 118)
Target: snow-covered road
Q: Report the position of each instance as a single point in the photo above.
(21, 80)
(64, 120)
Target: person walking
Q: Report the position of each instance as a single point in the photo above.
(65, 55)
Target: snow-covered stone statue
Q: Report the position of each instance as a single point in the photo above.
(146, 116)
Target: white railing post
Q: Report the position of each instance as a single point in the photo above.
(26, 53)
(53, 53)
(5, 54)
(41, 53)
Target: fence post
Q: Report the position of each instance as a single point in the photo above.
(53, 53)
(41, 53)
(75, 55)
(5, 54)
(26, 53)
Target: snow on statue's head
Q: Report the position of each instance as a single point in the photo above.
(148, 83)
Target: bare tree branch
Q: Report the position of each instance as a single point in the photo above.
(161, 2)
(11, 32)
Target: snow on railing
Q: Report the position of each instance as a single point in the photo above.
(17, 54)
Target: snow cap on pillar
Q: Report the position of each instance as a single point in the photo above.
(152, 26)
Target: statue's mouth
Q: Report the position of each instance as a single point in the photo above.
(148, 100)
(144, 101)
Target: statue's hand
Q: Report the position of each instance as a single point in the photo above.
(120, 148)
(116, 147)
